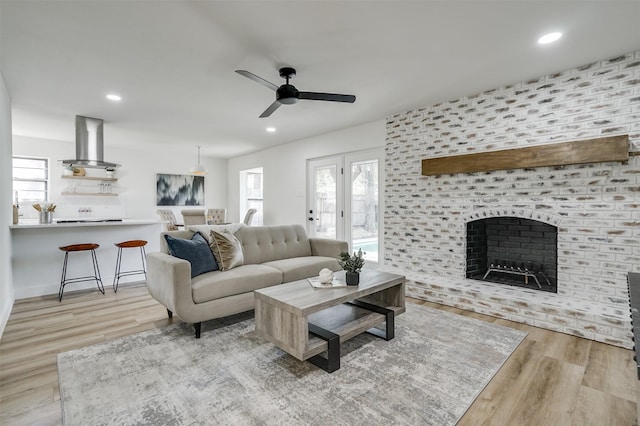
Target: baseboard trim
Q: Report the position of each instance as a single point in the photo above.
(5, 310)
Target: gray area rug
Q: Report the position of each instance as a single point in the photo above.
(429, 374)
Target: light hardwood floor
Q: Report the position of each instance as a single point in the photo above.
(551, 379)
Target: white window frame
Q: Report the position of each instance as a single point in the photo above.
(20, 195)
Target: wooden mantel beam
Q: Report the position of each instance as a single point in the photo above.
(612, 148)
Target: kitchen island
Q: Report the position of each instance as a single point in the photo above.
(37, 262)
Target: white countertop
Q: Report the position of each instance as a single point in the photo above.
(33, 223)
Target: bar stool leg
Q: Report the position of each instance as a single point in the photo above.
(63, 277)
(96, 270)
(116, 277)
(143, 253)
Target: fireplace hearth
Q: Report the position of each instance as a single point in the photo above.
(513, 251)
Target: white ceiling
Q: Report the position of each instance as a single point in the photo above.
(173, 62)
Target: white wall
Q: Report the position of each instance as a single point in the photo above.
(7, 294)
(136, 178)
(285, 170)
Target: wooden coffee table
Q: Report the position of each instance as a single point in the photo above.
(305, 322)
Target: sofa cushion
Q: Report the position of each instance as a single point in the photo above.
(246, 278)
(298, 268)
(196, 251)
(226, 249)
(267, 243)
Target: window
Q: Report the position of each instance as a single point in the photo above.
(251, 194)
(30, 180)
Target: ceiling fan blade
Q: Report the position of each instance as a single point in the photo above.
(257, 79)
(334, 97)
(267, 112)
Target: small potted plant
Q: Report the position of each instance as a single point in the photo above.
(352, 264)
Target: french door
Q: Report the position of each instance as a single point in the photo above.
(326, 200)
(344, 200)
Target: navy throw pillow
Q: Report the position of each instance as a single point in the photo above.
(196, 251)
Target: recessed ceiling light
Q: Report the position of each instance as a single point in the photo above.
(549, 38)
(113, 97)
(271, 129)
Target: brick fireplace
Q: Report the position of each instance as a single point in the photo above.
(594, 208)
(513, 251)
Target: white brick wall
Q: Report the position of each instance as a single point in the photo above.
(596, 207)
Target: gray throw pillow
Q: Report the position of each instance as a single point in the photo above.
(196, 251)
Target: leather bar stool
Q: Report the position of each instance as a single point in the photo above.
(119, 273)
(91, 247)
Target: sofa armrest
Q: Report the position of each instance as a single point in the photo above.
(327, 247)
(169, 281)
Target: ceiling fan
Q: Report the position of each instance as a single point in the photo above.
(287, 94)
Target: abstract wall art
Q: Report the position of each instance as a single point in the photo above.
(179, 190)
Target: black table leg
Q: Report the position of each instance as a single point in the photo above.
(332, 362)
(389, 332)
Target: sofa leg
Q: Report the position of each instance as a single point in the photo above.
(198, 327)
(170, 313)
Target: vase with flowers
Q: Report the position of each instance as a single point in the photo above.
(352, 264)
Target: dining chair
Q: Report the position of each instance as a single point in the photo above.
(171, 224)
(193, 217)
(216, 216)
(249, 216)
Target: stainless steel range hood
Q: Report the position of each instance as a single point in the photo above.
(89, 145)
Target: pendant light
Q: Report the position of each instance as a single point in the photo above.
(199, 169)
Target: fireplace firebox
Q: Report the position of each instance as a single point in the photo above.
(513, 251)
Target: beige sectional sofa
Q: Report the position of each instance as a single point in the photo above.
(272, 255)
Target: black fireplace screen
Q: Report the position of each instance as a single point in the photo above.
(513, 251)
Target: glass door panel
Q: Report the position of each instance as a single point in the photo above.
(325, 201)
(325, 212)
(364, 207)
